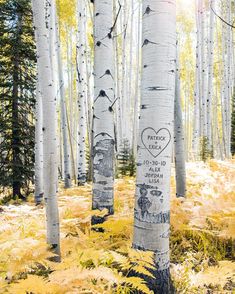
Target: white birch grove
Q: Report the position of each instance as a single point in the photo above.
(103, 119)
(50, 167)
(152, 205)
(82, 92)
(38, 148)
(180, 172)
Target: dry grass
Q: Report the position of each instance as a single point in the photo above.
(95, 262)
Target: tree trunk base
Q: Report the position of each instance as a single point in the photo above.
(55, 249)
(162, 284)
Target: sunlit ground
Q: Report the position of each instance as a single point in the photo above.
(202, 248)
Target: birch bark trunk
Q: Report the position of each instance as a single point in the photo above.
(64, 119)
(38, 148)
(50, 168)
(152, 205)
(210, 76)
(180, 172)
(103, 123)
(81, 72)
(204, 71)
(197, 94)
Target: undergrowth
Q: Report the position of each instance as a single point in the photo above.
(203, 231)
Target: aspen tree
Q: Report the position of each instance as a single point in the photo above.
(50, 167)
(180, 172)
(210, 75)
(64, 118)
(38, 148)
(103, 121)
(152, 205)
(81, 73)
(197, 129)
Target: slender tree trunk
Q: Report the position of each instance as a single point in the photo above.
(197, 88)
(38, 148)
(64, 119)
(180, 172)
(81, 72)
(210, 76)
(103, 132)
(137, 84)
(152, 206)
(50, 167)
(204, 71)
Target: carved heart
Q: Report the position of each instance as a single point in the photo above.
(155, 142)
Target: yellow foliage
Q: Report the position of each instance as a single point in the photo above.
(95, 262)
(36, 285)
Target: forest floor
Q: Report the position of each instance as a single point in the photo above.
(100, 260)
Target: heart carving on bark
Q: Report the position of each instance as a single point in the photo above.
(155, 141)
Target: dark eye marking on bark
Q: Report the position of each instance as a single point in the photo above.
(146, 42)
(111, 106)
(102, 94)
(144, 106)
(148, 10)
(107, 72)
(109, 35)
(156, 88)
(95, 117)
(103, 134)
(99, 43)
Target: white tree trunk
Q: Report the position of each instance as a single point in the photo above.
(204, 70)
(152, 206)
(38, 148)
(180, 173)
(64, 119)
(81, 72)
(197, 91)
(50, 168)
(210, 76)
(137, 83)
(103, 132)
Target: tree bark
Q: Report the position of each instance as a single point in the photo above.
(103, 131)
(180, 173)
(81, 72)
(38, 148)
(50, 168)
(64, 119)
(210, 76)
(152, 205)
